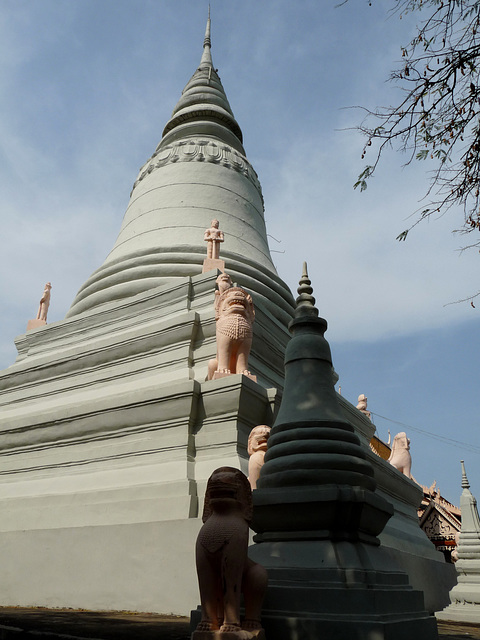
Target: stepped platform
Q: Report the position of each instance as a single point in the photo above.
(52, 624)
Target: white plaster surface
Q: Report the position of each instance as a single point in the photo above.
(148, 566)
(162, 234)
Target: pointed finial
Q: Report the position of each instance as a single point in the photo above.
(207, 41)
(465, 483)
(305, 301)
(207, 44)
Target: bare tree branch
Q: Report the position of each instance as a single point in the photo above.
(437, 119)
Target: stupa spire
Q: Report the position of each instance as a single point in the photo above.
(207, 43)
(204, 108)
(199, 171)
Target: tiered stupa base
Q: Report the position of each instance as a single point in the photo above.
(338, 590)
(108, 434)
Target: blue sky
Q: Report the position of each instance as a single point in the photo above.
(86, 87)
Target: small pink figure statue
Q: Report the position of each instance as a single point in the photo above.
(362, 405)
(44, 303)
(224, 569)
(41, 318)
(400, 457)
(256, 449)
(213, 237)
(234, 315)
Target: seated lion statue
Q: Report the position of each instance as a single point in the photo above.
(400, 457)
(234, 315)
(223, 567)
(256, 449)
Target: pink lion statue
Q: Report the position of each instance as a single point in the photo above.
(223, 567)
(256, 449)
(400, 457)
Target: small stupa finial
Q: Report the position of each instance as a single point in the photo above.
(465, 483)
(305, 303)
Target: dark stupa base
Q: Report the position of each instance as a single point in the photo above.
(338, 591)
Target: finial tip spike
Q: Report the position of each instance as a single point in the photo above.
(207, 40)
(465, 483)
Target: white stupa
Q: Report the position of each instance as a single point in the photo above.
(465, 596)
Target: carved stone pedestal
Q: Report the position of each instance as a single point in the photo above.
(213, 263)
(222, 374)
(34, 324)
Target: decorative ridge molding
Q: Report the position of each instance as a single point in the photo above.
(434, 506)
(374, 450)
(200, 150)
(87, 461)
(168, 333)
(97, 436)
(152, 368)
(76, 418)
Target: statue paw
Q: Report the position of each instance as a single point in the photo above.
(252, 625)
(206, 625)
(230, 628)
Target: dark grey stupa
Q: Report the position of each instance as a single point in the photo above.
(317, 515)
